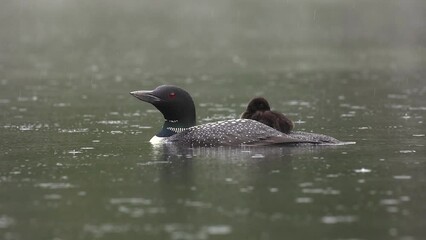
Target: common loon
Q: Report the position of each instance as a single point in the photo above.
(258, 109)
(180, 127)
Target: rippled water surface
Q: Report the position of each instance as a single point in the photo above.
(75, 161)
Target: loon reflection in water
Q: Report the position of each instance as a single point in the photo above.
(180, 127)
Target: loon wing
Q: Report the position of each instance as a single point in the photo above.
(279, 140)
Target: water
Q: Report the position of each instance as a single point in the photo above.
(77, 164)
(75, 161)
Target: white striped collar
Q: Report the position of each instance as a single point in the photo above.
(176, 129)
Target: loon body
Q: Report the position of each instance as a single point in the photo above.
(258, 109)
(180, 127)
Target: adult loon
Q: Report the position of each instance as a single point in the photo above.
(180, 127)
(258, 109)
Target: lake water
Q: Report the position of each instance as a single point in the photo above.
(75, 161)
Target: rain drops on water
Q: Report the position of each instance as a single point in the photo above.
(362, 170)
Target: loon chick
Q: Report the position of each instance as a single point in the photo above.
(258, 109)
(178, 110)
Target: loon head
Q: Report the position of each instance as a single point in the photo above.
(256, 104)
(173, 102)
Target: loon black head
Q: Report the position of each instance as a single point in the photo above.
(174, 103)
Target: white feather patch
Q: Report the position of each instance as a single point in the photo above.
(157, 140)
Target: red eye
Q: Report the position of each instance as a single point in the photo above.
(172, 95)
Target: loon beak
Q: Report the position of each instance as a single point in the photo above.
(146, 96)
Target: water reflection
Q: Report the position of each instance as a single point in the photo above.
(239, 183)
(164, 153)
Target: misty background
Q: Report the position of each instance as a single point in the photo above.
(192, 36)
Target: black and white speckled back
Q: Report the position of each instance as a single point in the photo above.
(236, 132)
